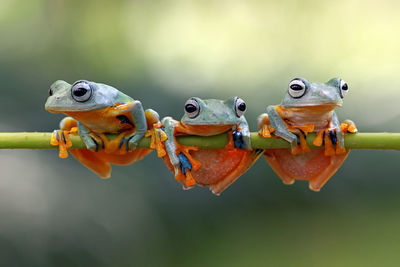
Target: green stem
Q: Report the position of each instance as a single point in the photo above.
(353, 141)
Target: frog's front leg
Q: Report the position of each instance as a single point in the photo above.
(241, 136)
(281, 129)
(92, 141)
(334, 135)
(139, 119)
(170, 144)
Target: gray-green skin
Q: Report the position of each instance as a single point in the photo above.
(61, 100)
(211, 112)
(316, 94)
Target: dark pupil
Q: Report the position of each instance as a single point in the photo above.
(80, 91)
(50, 92)
(190, 108)
(345, 87)
(242, 106)
(296, 87)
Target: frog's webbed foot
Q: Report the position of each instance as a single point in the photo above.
(264, 126)
(299, 145)
(186, 164)
(61, 138)
(185, 172)
(348, 126)
(158, 138)
(333, 140)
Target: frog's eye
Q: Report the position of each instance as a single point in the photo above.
(344, 88)
(240, 107)
(297, 88)
(81, 91)
(192, 108)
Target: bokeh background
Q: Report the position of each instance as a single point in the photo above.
(55, 212)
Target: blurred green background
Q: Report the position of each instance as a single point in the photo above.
(55, 212)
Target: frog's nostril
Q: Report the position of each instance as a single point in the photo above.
(57, 98)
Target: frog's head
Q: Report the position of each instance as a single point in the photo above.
(302, 93)
(213, 111)
(80, 96)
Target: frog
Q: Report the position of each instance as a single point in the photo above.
(215, 168)
(308, 107)
(95, 110)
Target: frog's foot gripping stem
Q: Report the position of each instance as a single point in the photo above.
(158, 138)
(333, 141)
(348, 126)
(301, 131)
(264, 126)
(60, 137)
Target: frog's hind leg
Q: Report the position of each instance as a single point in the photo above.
(124, 159)
(335, 161)
(277, 159)
(247, 159)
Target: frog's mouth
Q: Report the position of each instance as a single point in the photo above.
(312, 107)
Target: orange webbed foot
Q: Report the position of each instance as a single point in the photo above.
(301, 146)
(187, 164)
(332, 143)
(61, 138)
(158, 137)
(348, 126)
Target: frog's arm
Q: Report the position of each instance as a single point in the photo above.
(139, 119)
(280, 127)
(87, 138)
(170, 144)
(335, 124)
(244, 129)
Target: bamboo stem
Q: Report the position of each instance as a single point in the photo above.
(40, 140)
